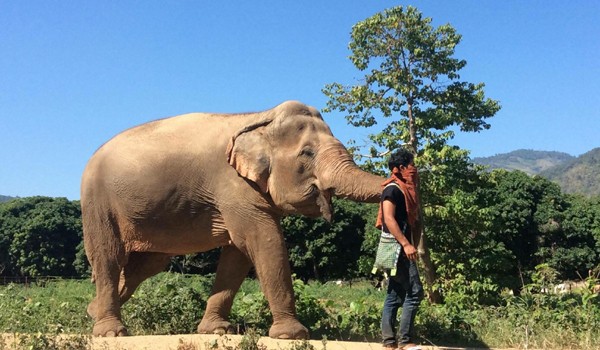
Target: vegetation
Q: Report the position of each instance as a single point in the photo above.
(528, 161)
(499, 240)
(323, 251)
(575, 175)
(581, 175)
(5, 198)
(41, 236)
(333, 312)
(412, 85)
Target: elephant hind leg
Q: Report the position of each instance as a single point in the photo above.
(140, 266)
(233, 267)
(105, 309)
(107, 256)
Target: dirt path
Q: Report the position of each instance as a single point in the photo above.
(229, 342)
(215, 342)
(209, 342)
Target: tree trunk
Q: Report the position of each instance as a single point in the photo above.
(433, 295)
(429, 273)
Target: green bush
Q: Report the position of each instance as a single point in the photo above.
(55, 305)
(250, 309)
(167, 304)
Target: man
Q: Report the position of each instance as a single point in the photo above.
(399, 216)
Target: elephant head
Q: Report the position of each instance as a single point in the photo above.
(291, 155)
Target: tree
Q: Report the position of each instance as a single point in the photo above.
(411, 78)
(527, 213)
(39, 236)
(469, 259)
(322, 251)
(571, 246)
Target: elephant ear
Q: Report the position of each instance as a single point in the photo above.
(249, 153)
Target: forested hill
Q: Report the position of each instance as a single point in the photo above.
(573, 174)
(581, 175)
(5, 198)
(528, 161)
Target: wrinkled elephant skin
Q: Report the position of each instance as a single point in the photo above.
(200, 181)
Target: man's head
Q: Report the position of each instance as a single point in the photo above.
(401, 157)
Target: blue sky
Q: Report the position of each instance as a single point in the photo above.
(75, 73)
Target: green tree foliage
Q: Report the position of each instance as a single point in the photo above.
(469, 260)
(40, 236)
(322, 251)
(411, 77)
(540, 225)
(572, 246)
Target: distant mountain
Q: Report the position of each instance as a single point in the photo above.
(581, 175)
(5, 198)
(529, 161)
(573, 174)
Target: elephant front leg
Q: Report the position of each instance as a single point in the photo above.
(271, 261)
(233, 267)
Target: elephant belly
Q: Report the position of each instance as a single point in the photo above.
(178, 235)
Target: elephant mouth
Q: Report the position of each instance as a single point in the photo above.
(324, 203)
(322, 199)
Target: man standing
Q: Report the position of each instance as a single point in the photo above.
(398, 215)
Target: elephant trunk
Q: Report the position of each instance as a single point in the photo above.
(340, 174)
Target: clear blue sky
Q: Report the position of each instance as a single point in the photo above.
(75, 73)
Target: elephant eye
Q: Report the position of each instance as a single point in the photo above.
(307, 152)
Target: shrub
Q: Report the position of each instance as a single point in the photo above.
(167, 304)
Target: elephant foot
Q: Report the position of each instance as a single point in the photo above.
(109, 327)
(291, 329)
(217, 326)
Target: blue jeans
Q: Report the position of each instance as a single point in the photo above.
(403, 289)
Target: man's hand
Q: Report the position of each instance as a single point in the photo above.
(411, 252)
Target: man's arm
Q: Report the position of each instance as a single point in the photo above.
(389, 210)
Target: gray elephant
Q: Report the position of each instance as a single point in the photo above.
(196, 182)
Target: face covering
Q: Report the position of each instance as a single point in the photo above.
(407, 179)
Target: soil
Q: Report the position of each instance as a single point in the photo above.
(209, 342)
(216, 342)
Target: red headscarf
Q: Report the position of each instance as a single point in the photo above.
(408, 181)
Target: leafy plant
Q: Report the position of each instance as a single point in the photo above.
(172, 303)
(168, 304)
(250, 341)
(251, 311)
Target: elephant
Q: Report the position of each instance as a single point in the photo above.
(200, 181)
